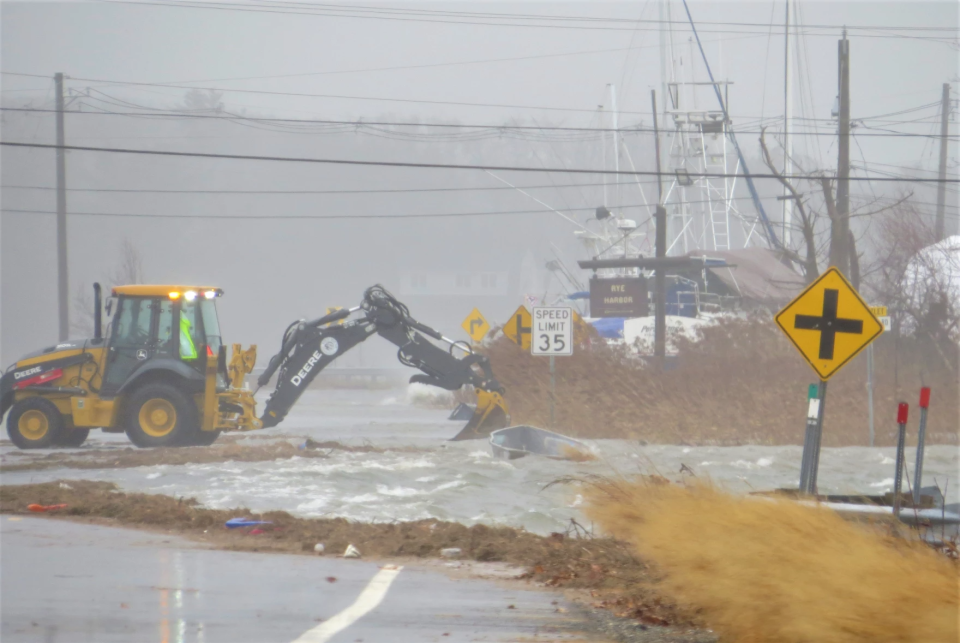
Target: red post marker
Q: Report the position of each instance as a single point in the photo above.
(925, 397)
(902, 410)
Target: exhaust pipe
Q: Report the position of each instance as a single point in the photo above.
(97, 314)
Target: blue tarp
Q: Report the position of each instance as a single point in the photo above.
(609, 327)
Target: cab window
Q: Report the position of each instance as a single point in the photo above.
(165, 328)
(132, 324)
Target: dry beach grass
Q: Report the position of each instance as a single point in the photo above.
(774, 571)
(742, 384)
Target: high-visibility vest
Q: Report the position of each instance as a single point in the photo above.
(187, 349)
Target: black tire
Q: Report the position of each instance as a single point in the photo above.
(160, 415)
(34, 423)
(73, 437)
(203, 438)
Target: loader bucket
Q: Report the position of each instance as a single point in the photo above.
(491, 414)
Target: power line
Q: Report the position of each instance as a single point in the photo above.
(343, 96)
(354, 125)
(447, 166)
(381, 191)
(308, 216)
(46, 188)
(383, 14)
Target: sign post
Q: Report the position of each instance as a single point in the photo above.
(880, 312)
(829, 323)
(921, 438)
(902, 410)
(552, 335)
(813, 415)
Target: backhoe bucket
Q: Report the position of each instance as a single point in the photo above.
(491, 414)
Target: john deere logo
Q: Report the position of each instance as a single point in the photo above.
(141, 355)
(329, 346)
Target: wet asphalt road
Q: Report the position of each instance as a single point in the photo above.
(65, 582)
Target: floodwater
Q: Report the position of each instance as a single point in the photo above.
(462, 481)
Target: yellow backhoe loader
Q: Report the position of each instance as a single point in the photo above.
(161, 374)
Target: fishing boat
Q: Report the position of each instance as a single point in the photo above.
(518, 441)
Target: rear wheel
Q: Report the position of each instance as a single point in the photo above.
(34, 423)
(73, 437)
(160, 415)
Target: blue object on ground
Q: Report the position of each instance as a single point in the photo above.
(609, 327)
(233, 523)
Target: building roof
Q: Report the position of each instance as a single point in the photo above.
(757, 274)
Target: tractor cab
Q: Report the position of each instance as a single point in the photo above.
(160, 327)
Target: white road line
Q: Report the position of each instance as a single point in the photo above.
(369, 598)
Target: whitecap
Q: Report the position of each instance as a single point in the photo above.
(318, 503)
(362, 498)
(764, 462)
(154, 476)
(453, 484)
(400, 492)
(887, 482)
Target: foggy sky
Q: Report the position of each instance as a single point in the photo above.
(277, 271)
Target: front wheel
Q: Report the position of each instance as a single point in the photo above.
(203, 438)
(73, 437)
(160, 415)
(34, 423)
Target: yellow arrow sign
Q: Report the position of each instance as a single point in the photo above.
(829, 323)
(476, 325)
(517, 328)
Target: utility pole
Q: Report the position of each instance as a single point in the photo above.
(660, 245)
(942, 184)
(843, 163)
(62, 278)
(787, 140)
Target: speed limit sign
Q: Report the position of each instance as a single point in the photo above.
(552, 332)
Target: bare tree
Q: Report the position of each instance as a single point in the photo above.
(203, 100)
(826, 236)
(918, 278)
(128, 270)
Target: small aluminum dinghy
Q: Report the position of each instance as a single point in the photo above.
(517, 441)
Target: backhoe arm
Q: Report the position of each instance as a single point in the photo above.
(309, 347)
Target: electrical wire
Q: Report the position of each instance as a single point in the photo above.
(360, 124)
(448, 166)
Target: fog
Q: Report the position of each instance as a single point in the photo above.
(275, 269)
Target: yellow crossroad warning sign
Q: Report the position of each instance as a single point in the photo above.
(476, 325)
(829, 323)
(517, 328)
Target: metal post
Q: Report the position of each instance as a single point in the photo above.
(809, 437)
(870, 392)
(902, 410)
(660, 245)
(62, 277)
(843, 160)
(787, 139)
(942, 175)
(921, 435)
(553, 390)
(817, 439)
